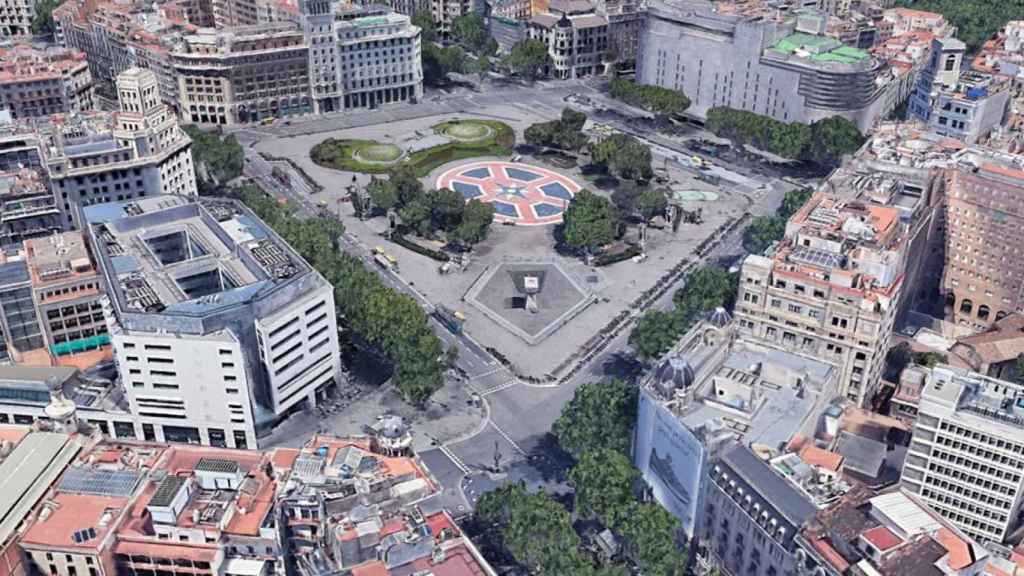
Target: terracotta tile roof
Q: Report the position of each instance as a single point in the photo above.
(822, 458)
(831, 555)
(375, 568)
(960, 553)
(74, 512)
(882, 538)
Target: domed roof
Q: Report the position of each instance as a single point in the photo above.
(719, 318)
(675, 373)
(391, 426)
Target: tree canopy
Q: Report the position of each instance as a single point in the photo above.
(600, 415)
(470, 31)
(217, 159)
(650, 537)
(824, 142)
(428, 28)
(706, 288)
(438, 62)
(762, 232)
(649, 97)
(603, 482)
(527, 58)
(42, 21)
(793, 201)
(566, 133)
(475, 223)
(428, 212)
(651, 203)
(536, 530)
(623, 156)
(384, 318)
(589, 221)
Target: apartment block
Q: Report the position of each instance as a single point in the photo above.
(42, 82)
(16, 17)
(983, 278)
(446, 11)
(966, 458)
(831, 289)
(244, 74)
(28, 207)
(139, 151)
(220, 330)
(575, 35)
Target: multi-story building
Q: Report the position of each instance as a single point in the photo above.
(139, 151)
(746, 56)
(79, 504)
(220, 329)
(361, 56)
(575, 35)
(29, 208)
(116, 37)
(67, 291)
(19, 146)
(624, 21)
(16, 17)
(941, 72)
(243, 74)
(39, 83)
(714, 389)
(831, 289)
(889, 534)
(983, 279)
(906, 20)
(19, 321)
(970, 111)
(966, 458)
(446, 11)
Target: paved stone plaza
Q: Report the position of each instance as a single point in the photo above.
(612, 289)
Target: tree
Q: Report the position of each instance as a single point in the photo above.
(428, 28)
(565, 133)
(527, 58)
(383, 193)
(788, 140)
(897, 359)
(930, 359)
(600, 416)
(654, 99)
(651, 203)
(793, 201)
(42, 22)
(707, 288)
(603, 484)
(446, 208)
(416, 215)
(651, 540)
(654, 334)
(476, 221)
(218, 160)
(406, 184)
(438, 62)
(762, 232)
(470, 30)
(483, 67)
(536, 530)
(589, 222)
(623, 156)
(832, 138)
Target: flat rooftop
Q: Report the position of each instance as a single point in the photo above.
(173, 255)
(970, 393)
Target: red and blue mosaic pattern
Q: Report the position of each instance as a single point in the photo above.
(520, 193)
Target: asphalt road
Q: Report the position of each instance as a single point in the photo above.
(519, 414)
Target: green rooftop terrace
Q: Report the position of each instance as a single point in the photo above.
(821, 49)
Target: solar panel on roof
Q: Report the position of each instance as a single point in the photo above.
(216, 465)
(116, 483)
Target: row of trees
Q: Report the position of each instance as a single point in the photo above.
(427, 213)
(824, 142)
(764, 230)
(654, 99)
(217, 159)
(566, 133)
(387, 320)
(706, 288)
(537, 531)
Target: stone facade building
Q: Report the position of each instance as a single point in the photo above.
(43, 82)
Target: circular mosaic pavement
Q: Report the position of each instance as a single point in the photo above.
(520, 193)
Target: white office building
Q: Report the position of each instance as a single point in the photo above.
(219, 328)
(966, 459)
